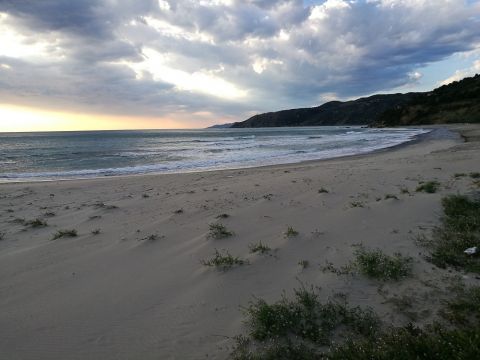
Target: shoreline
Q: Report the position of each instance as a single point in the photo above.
(416, 139)
(130, 281)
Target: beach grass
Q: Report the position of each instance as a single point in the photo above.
(290, 232)
(356, 204)
(299, 328)
(219, 231)
(258, 248)
(459, 230)
(391, 196)
(223, 260)
(65, 233)
(464, 309)
(429, 187)
(304, 264)
(36, 223)
(410, 342)
(378, 265)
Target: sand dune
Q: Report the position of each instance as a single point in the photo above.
(138, 288)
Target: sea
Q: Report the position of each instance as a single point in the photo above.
(45, 156)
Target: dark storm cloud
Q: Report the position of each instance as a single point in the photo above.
(275, 53)
(90, 18)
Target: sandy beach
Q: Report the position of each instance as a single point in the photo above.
(131, 284)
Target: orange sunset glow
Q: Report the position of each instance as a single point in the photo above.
(24, 119)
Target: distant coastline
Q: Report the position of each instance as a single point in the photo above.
(458, 102)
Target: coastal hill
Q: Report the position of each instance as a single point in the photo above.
(456, 102)
(453, 103)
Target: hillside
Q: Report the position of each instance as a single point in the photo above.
(453, 103)
(456, 102)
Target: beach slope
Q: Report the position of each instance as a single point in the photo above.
(114, 268)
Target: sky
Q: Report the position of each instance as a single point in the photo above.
(154, 64)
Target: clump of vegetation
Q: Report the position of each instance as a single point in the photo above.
(36, 223)
(404, 305)
(356, 204)
(411, 342)
(102, 205)
(475, 175)
(145, 196)
(223, 261)
(428, 187)
(404, 191)
(290, 232)
(299, 328)
(95, 231)
(268, 196)
(464, 309)
(259, 248)
(330, 267)
(152, 237)
(391, 196)
(304, 264)
(179, 211)
(459, 230)
(377, 265)
(219, 231)
(65, 233)
(459, 175)
(223, 216)
(322, 190)
(2, 236)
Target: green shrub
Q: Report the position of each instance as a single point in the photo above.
(290, 232)
(464, 309)
(298, 328)
(377, 265)
(459, 230)
(435, 343)
(224, 261)
(219, 231)
(429, 187)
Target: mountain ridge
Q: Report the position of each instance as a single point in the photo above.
(456, 102)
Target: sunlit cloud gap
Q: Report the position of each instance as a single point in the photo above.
(154, 63)
(21, 119)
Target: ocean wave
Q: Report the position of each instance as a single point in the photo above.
(212, 152)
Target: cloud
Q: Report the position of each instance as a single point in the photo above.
(460, 74)
(224, 58)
